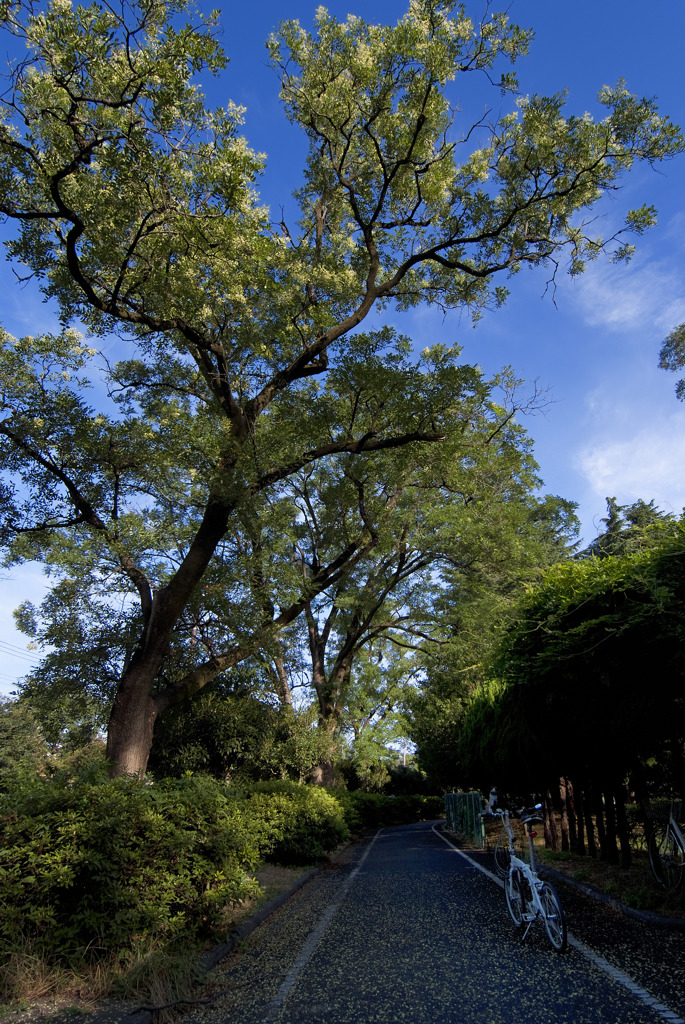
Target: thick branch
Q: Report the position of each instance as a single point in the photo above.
(269, 626)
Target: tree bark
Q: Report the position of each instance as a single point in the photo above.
(577, 818)
(284, 693)
(129, 738)
(324, 774)
(550, 825)
(598, 808)
(622, 827)
(611, 838)
(131, 726)
(565, 826)
(589, 824)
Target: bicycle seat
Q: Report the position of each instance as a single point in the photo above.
(530, 814)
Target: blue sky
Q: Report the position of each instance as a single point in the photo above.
(613, 425)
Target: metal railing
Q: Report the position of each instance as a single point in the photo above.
(462, 811)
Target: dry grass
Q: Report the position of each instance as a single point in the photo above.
(32, 987)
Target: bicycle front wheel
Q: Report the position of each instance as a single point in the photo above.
(513, 885)
(555, 921)
(502, 854)
(666, 856)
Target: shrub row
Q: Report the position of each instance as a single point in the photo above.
(296, 824)
(373, 810)
(90, 865)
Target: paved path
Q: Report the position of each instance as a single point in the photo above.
(411, 932)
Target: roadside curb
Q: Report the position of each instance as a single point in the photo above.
(245, 929)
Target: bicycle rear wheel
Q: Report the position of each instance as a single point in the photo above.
(513, 885)
(555, 921)
(666, 856)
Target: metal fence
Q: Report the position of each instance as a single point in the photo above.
(462, 811)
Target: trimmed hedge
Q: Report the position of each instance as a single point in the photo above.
(373, 810)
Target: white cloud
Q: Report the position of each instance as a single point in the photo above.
(648, 297)
(648, 465)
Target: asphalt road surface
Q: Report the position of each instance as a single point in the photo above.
(409, 930)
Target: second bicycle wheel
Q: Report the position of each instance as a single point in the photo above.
(555, 921)
(666, 856)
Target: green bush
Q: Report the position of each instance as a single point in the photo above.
(295, 824)
(89, 864)
(373, 810)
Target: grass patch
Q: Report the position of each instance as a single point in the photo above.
(634, 886)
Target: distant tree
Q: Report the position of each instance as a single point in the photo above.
(625, 528)
(475, 611)
(23, 749)
(672, 357)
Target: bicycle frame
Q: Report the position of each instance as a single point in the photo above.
(527, 868)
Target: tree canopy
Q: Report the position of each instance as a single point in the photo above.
(588, 681)
(136, 209)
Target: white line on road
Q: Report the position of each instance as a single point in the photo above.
(618, 976)
(276, 1004)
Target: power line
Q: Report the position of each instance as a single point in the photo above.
(16, 652)
(8, 643)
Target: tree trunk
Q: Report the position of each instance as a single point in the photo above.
(132, 719)
(131, 725)
(577, 818)
(598, 808)
(589, 824)
(565, 827)
(622, 827)
(550, 824)
(284, 693)
(324, 774)
(329, 716)
(610, 812)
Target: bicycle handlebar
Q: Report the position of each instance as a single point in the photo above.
(525, 814)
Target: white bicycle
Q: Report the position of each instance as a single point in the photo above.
(529, 899)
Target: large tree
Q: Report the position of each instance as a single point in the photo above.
(413, 518)
(136, 211)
